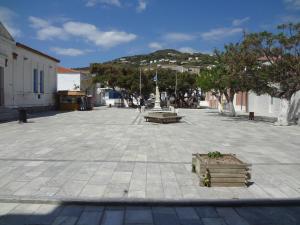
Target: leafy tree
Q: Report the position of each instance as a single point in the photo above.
(213, 80)
(240, 66)
(124, 77)
(279, 73)
(233, 73)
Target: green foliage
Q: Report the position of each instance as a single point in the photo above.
(203, 59)
(214, 155)
(128, 79)
(279, 73)
(125, 77)
(213, 80)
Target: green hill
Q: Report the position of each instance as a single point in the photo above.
(166, 56)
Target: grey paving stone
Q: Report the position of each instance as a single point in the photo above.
(138, 216)
(113, 217)
(20, 215)
(90, 218)
(186, 213)
(231, 217)
(46, 214)
(65, 220)
(5, 208)
(270, 215)
(93, 191)
(165, 216)
(207, 212)
(45, 155)
(71, 210)
(214, 221)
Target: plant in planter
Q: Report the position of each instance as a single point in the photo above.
(220, 170)
(214, 154)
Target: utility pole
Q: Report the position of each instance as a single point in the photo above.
(140, 81)
(176, 84)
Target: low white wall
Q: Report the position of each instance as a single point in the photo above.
(265, 105)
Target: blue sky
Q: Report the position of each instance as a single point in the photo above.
(79, 32)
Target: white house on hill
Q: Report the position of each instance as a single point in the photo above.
(27, 76)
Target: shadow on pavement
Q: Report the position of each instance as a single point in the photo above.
(169, 214)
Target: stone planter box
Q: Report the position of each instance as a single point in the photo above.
(226, 171)
(162, 117)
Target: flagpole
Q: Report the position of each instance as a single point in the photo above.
(156, 77)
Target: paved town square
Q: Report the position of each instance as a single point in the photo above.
(111, 153)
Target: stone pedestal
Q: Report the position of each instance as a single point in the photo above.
(157, 101)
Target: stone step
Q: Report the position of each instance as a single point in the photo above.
(7, 114)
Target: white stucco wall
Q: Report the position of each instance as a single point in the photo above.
(6, 49)
(68, 81)
(295, 108)
(18, 76)
(239, 108)
(262, 105)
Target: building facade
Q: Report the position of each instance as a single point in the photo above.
(27, 76)
(261, 105)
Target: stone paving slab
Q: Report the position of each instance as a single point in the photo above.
(43, 214)
(114, 153)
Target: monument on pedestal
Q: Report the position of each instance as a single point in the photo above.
(157, 106)
(158, 115)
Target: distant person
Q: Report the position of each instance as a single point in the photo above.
(142, 104)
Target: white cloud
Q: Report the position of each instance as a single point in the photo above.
(221, 33)
(69, 51)
(91, 33)
(50, 33)
(292, 4)
(155, 45)
(238, 22)
(142, 5)
(91, 3)
(88, 32)
(177, 37)
(45, 30)
(187, 50)
(7, 18)
(36, 22)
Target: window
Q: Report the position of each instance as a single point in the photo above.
(35, 81)
(41, 81)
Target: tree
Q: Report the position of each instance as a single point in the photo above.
(213, 80)
(233, 73)
(279, 72)
(126, 78)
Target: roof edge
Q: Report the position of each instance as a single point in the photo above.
(18, 44)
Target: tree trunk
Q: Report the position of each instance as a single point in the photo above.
(231, 108)
(220, 105)
(283, 118)
(230, 97)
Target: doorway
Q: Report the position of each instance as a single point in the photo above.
(1, 86)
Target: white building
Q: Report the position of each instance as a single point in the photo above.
(261, 105)
(27, 76)
(70, 80)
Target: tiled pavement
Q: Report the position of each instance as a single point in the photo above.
(114, 153)
(43, 214)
